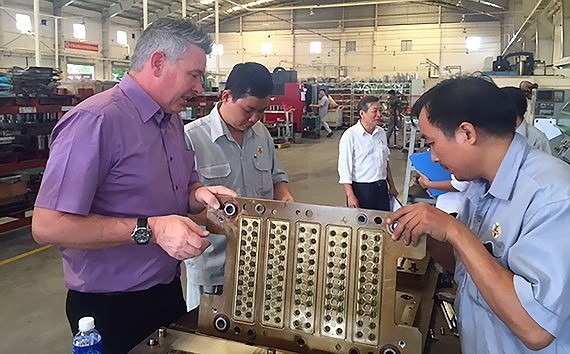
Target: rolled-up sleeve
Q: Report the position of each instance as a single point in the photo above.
(345, 164)
(79, 160)
(541, 266)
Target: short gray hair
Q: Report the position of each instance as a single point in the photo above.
(170, 36)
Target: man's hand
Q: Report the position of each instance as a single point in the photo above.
(418, 219)
(352, 201)
(424, 181)
(207, 195)
(178, 236)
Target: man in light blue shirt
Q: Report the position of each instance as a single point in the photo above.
(510, 246)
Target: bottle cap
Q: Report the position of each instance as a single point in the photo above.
(86, 324)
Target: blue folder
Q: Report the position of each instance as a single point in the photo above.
(432, 170)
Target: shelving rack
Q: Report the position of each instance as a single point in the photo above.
(26, 122)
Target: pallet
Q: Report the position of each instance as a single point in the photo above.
(281, 145)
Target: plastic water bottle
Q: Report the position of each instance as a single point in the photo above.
(88, 340)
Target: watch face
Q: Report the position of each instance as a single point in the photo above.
(142, 235)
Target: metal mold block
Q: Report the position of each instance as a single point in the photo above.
(275, 273)
(246, 269)
(311, 279)
(304, 296)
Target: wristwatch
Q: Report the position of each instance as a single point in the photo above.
(142, 232)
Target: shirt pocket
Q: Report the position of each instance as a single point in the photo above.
(265, 177)
(215, 174)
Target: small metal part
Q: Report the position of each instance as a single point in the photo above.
(362, 219)
(401, 263)
(221, 323)
(152, 342)
(259, 208)
(432, 335)
(442, 331)
(161, 333)
(393, 226)
(230, 209)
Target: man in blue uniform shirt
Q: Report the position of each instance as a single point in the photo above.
(510, 246)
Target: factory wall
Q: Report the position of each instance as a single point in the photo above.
(17, 49)
(378, 53)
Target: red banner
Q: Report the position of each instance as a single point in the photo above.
(81, 46)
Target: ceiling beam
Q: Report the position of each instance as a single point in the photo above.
(118, 7)
(540, 4)
(164, 12)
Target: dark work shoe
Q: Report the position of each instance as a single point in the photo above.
(329, 134)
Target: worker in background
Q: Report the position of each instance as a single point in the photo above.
(509, 249)
(395, 109)
(533, 136)
(234, 149)
(452, 201)
(527, 87)
(119, 185)
(323, 106)
(363, 164)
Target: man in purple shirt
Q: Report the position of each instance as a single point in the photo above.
(119, 185)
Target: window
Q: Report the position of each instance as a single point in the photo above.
(79, 30)
(119, 72)
(80, 72)
(23, 23)
(351, 46)
(122, 37)
(406, 45)
(473, 43)
(266, 48)
(315, 47)
(217, 49)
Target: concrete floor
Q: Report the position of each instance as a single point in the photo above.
(32, 295)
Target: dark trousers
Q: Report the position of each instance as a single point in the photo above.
(372, 195)
(126, 319)
(392, 125)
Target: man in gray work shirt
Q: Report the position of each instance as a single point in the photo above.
(323, 107)
(234, 149)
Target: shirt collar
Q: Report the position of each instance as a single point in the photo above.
(363, 131)
(505, 178)
(219, 128)
(144, 104)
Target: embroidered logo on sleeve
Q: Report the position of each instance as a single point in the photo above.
(496, 230)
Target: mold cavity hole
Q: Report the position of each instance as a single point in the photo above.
(378, 220)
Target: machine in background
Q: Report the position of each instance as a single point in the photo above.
(552, 108)
(283, 117)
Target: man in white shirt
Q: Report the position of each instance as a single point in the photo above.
(363, 164)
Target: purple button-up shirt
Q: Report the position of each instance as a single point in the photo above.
(118, 154)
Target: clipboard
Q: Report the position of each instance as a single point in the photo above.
(432, 170)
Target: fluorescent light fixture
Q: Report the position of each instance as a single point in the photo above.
(245, 6)
(266, 48)
(315, 47)
(206, 2)
(473, 43)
